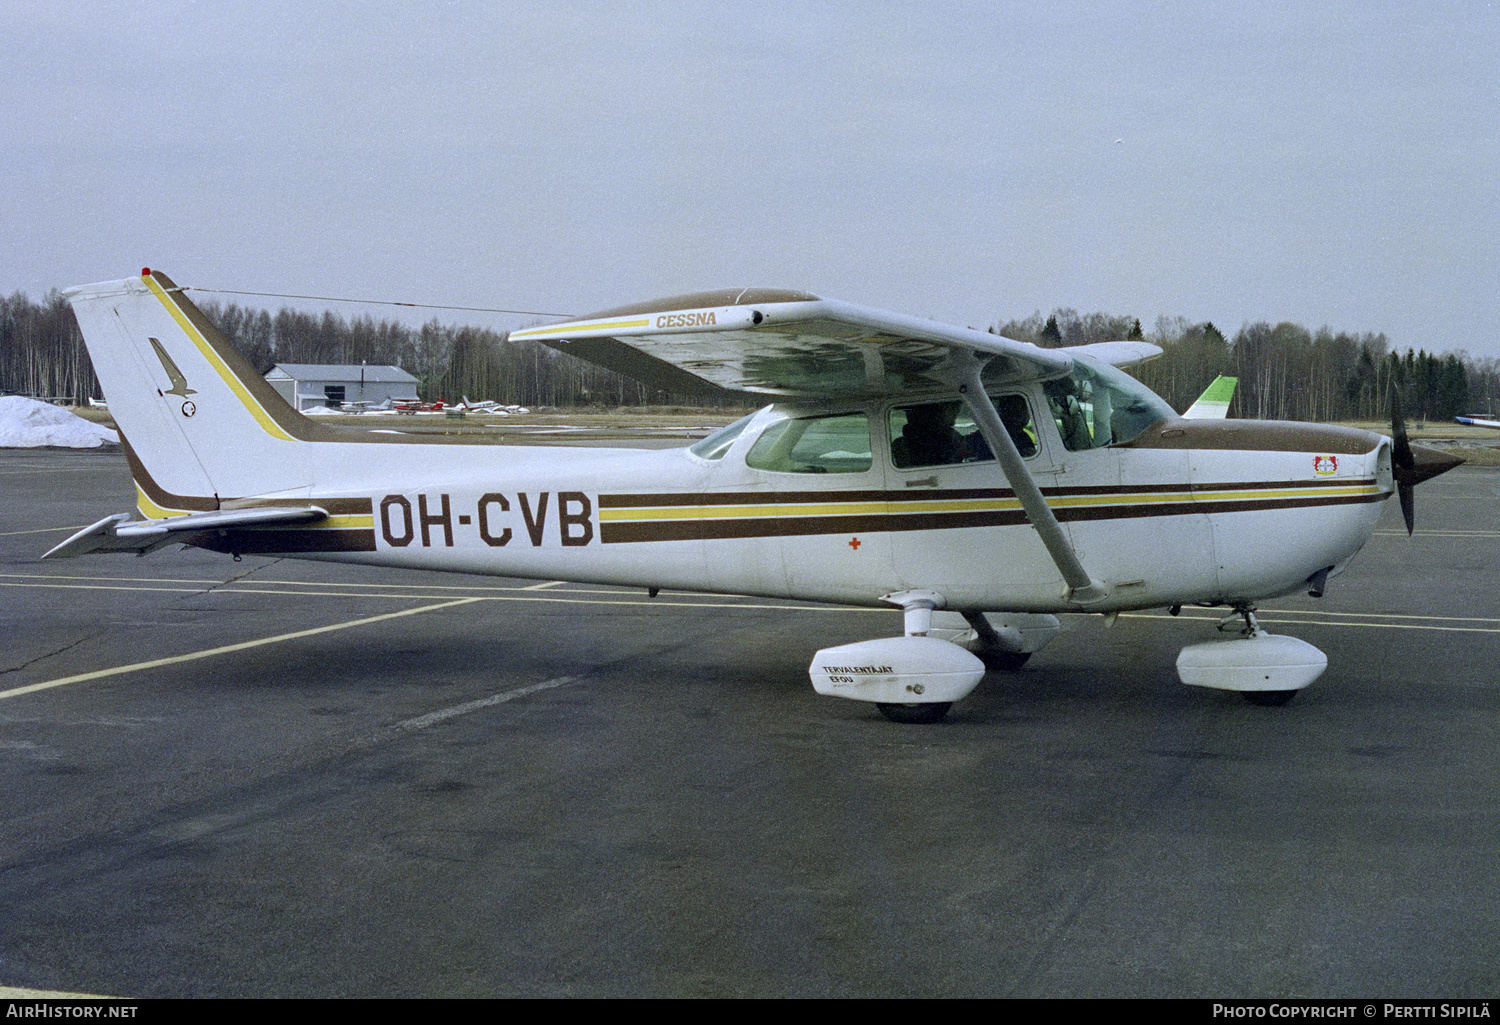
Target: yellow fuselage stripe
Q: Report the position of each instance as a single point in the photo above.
(352, 521)
(151, 510)
(864, 508)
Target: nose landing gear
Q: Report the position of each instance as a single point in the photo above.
(1268, 669)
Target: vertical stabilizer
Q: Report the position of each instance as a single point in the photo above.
(200, 423)
(1213, 404)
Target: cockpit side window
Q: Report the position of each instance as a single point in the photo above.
(944, 434)
(1097, 405)
(819, 444)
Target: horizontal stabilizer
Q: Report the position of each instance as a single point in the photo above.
(118, 533)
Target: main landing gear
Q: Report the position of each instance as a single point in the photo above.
(918, 677)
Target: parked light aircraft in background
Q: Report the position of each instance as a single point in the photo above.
(365, 405)
(904, 463)
(490, 406)
(418, 407)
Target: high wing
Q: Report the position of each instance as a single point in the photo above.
(787, 343)
(118, 534)
(1475, 421)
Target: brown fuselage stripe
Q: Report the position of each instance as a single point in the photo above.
(1111, 512)
(333, 506)
(260, 542)
(796, 526)
(311, 540)
(161, 496)
(197, 503)
(923, 494)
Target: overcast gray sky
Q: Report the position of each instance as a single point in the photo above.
(1329, 164)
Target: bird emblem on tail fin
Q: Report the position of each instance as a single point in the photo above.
(179, 382)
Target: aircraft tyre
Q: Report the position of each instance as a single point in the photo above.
(1269, 698)
(932, 711)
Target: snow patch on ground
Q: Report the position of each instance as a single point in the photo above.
(27, 423)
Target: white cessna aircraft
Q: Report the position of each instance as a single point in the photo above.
(943, 471)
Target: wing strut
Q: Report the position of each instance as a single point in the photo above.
(962, 370)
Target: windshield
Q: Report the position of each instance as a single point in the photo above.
(1098, 405)
(716, 444)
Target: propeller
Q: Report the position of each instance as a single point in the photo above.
(1403, 462)
(1412, 464)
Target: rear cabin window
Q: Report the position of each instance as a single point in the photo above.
(820, 444)
(944, 434)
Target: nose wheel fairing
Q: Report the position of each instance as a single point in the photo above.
(1267, 668)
